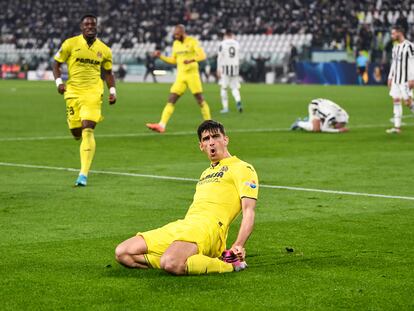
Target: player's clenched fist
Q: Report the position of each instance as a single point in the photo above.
(239, 251)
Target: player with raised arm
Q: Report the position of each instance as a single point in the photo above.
(85, 56)
(401, 76)
(228, 62)
(197, 243)
(186, 54)
(324, 116)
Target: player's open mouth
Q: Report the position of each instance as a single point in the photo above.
(212, 152)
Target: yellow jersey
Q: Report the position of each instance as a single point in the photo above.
(84, 65)
(187, 50)
(220, 189)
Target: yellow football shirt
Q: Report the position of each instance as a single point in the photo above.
(187, 50)
(84, 65)
(220, 190)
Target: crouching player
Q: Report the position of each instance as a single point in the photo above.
(197, 243)
(324, 116)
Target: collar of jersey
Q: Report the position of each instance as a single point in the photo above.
(86, 42)
(225, 161)
(184, 41)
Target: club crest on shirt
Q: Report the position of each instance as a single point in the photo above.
(99, 54)
(252, 184)
(225, 168)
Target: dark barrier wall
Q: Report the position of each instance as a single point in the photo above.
(338, 73)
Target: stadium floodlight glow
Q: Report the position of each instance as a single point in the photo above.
(160, 72)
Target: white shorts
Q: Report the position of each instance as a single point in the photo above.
(231, 82)
(401, 91)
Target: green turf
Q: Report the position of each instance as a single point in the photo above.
(350, 252)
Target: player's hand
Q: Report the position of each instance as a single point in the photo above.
(343, 129)
(61, 88)
(389, 82)
(239, 251)
(112, 99)
(218, 74)
(189, 61)
(411, 84)
(156, 53)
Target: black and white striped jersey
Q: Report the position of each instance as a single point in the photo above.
(327, 111)
(402, 65)
(228, 57)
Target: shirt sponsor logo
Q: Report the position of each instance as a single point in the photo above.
(252, 184)
(213, 177)
(88, 61)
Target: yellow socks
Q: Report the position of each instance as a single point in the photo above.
(166, 114)
(205, 111)
(87, 150)
(200, 264)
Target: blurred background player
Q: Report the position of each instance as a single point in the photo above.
(228, 62)
(85, 56)
(193, 245)
(149, 67)
(324, 116)
(186, 53)
(401, 76)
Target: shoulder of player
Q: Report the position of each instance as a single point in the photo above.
(243, 166)
(102, 44)
(73, 40)
(192, 40)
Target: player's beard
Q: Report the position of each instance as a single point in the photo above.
(179, 38)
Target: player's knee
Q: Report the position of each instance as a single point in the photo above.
(171, 265)
(120, 252)
(77, 137)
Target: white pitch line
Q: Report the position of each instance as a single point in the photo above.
(351, 193)
(184, 133)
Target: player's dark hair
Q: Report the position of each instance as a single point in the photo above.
(210, 126)
(88, 15)
(228, 32)
(399, 28)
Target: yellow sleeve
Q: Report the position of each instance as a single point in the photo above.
(64, 52)
(168, 59)
(107, 63)
(246, 181)
(200, 54)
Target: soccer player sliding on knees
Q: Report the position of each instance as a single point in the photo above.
(197, 243)
(85, 56)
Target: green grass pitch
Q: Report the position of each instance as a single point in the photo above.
(350, 252)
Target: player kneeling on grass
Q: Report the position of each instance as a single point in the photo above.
(197, 243)
(324, 116)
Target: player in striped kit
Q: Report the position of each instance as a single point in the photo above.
(324, 116)
(228, 60)
(401, 76)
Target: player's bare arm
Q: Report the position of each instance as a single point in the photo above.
(316, 125)
(110, 82)
(57, 73)
(246, 227)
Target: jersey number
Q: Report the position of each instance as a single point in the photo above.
(232, 52)
(70, 111)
